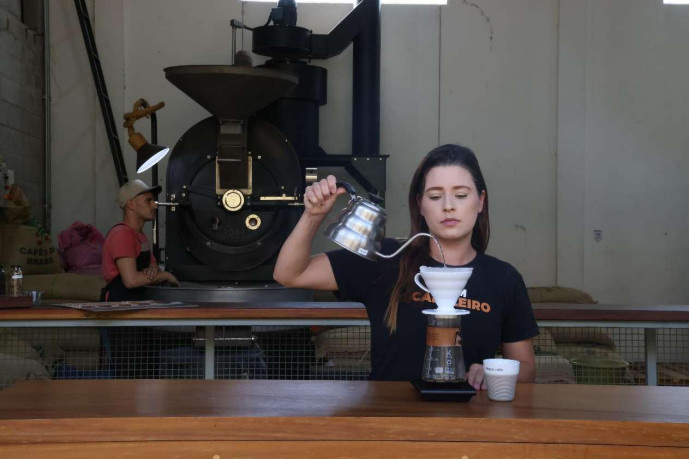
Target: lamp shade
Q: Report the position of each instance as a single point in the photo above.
(148, 155)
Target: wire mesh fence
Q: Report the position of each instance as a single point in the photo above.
(590, 355)
(673, 355)
(584, 355)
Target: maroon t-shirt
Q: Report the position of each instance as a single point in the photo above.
(122, 241)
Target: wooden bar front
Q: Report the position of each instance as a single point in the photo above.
(197, 418)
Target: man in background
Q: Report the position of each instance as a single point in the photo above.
(128, 262)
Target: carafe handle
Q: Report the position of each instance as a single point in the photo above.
(348, 188)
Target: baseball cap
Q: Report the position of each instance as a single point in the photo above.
(134, 188)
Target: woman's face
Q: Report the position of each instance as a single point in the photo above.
(450, 202)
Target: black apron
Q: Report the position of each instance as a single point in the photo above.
(117, 291)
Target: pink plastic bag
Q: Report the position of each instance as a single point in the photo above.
(81, 247)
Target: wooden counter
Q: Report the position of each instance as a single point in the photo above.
(196, 418)
(611, 312)
(204, 311)
(343, 310)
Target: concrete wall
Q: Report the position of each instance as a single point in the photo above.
(84, 180)
(623, 150)
(21, 101)
(498, 95)
(577, 110)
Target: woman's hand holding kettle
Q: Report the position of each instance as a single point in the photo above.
(320, 196)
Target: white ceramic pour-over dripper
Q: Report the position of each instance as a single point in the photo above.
(445, 285)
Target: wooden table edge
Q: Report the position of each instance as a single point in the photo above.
(433, 429)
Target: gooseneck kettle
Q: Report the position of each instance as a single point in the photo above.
(360, 227)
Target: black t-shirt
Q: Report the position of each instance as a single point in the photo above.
(500, 310)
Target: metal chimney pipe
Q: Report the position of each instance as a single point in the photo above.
(366, 89)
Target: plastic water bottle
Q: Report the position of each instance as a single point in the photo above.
(16, 281)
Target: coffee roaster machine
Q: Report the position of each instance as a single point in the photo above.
(235, 180)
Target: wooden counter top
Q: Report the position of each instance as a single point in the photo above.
(343, 310)
(611, 312)
(62, 399)
(254, 310)
(265, 417)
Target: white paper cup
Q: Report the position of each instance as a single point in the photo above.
(501, 378)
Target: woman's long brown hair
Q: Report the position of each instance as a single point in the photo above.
(415, 254)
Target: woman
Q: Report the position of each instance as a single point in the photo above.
(447, 198)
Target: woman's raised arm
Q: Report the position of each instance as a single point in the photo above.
(295, 267)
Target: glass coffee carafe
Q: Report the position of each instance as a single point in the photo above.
(444, 360)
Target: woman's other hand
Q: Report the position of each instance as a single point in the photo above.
(475, 377)
(320, 196)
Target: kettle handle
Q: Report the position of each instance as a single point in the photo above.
(348, 188)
